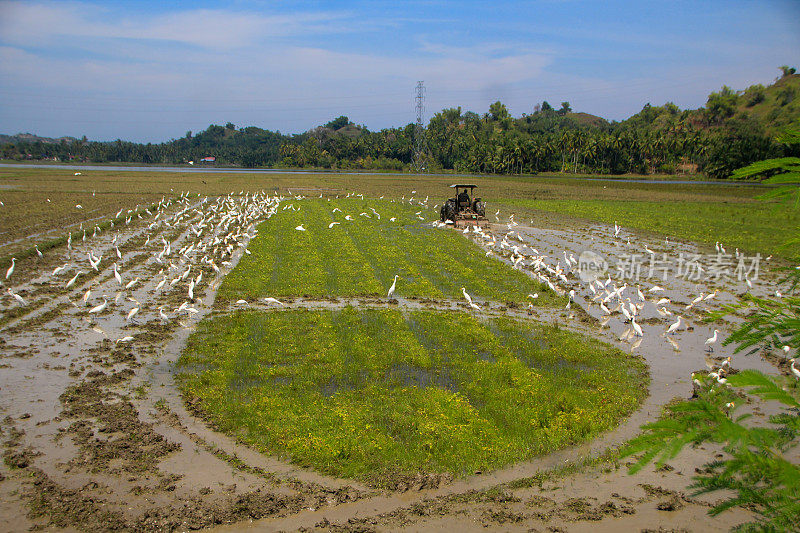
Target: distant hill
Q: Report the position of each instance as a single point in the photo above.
(774, 106)
(31, 138)
(586, 119)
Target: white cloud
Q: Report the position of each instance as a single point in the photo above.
(35, 24)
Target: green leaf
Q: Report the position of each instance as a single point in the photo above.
(786, 177)
(762, 386)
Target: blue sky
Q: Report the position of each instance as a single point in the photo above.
(150, 71)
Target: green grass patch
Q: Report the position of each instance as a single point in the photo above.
(376, 394)
(751, 226)
(362, 256)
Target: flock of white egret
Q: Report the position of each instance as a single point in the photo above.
(207, 233)
(210, 231)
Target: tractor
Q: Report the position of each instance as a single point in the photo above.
(464, 209)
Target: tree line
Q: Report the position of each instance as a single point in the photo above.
(732, 130)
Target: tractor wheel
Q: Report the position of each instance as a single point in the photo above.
(449, 210)
(480, 208)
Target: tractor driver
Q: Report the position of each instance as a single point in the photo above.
(463, 199)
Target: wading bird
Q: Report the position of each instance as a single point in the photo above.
(795, 371)
(467, 296)
(11, 268)
(391, 289)
(116, 275)
(674, 327)
(71, 282)
(711, 340)
(99, 308)
(17, 297)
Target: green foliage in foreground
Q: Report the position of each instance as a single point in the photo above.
(757, 469)
(362, 256)
(378, 394)
(754, 227)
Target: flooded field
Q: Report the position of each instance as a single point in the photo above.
(98, 436)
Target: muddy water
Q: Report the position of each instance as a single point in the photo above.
(197, 477)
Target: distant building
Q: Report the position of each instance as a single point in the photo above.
(209, 159)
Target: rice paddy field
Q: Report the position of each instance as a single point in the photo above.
(752, 226)
(216, 349)
(700, 212)
(354, 247)
(380, 394)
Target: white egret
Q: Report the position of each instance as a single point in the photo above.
(300, 228)
(71, 282)
(132, 313)
(11, 268)
(674, 327)
(99, 308)
(116, 275)
(17, 297)
(162, 315)
(332, 224)
(127, 338)
(637, 328)
(391, 289)
(131, 283)
(711, 295)
(795, 370)
(467, 296)
(711, 340)
(271, 300)
(60, 269)
(696, 300)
